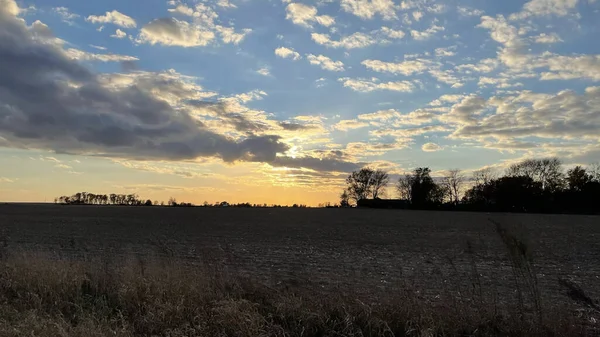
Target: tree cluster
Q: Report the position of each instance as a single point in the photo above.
(533, 185)
(85, 198)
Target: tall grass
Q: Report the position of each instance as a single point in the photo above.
(42, 295)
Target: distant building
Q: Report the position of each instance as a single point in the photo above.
(383, 203)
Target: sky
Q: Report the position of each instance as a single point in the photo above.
(277, 101)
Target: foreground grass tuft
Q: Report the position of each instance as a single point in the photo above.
(44, 296)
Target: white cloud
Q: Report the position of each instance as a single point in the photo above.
(349, 124)
(466, 111)
(85, 56)
(225, 4)
(229, 35)
(65, 14)
(305, 15)
(173, 32)
(391, 33)
(426, 34)
(285, 52)
(325, 62)
(356, 40)
(363, 85)
(431, 147)
(466, 11)
(545, 7)
(10, 6)
(264, 71)
(113, 17)
(98, 47)
(417, 15)
(367, 9)
(119, 34)
(547, 38)
(405, 68)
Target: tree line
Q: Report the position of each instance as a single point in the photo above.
(532, 185)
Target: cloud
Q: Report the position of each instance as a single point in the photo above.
(325, 62)
(53, 103)
(547, 38)
(406, 68)
(367, 9)
(391, 33)
(173, 32)
(545, 8)
(10, 7)
(356, 40)
(466, 111)
(85, 56)
(113, 17)
(363, 85)
(564, 115)
(119, 34)
(426, 34)
(466, 11)
(65, 14)
(5, 180)
(229, 35)
(349, 124)
(264, 71)
(285, 52)
(431, 147)
(305, 15)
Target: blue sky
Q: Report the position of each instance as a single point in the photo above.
(210, 99)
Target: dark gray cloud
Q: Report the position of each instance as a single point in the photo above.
(294, 126)
(50, 101)
(317, 164)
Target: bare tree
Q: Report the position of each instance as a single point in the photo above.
(484, 176)
(344, 199)
(379, 181)
(547, 171)
(453, 182)
(404, 187)
(366, 183)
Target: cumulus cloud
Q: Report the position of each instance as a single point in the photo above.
(119, 34)
(367, 9)
(426, 34)
(356, 40)
(85, 56)
(325, 62)
(466, 111)
(547, 38)
(200, 29)
(392, 34)
(431, 147)
(113, 17)
(545, 7)
(564, 115)
(285, 52)
(349, 124)
(173, 32)
(305, 15)
(406, 68)
(365, 85)
(53, 103)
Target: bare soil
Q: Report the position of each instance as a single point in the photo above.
(372, 250)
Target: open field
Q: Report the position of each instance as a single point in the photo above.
(329, 246)
(437, 255)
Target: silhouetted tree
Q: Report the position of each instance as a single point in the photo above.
(420, 189)
(547, 171)
(344, 199)
(366, 183)
(453, 182)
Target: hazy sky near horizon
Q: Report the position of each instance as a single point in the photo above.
(276, 101)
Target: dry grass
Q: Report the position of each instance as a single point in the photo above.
(44, 296)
